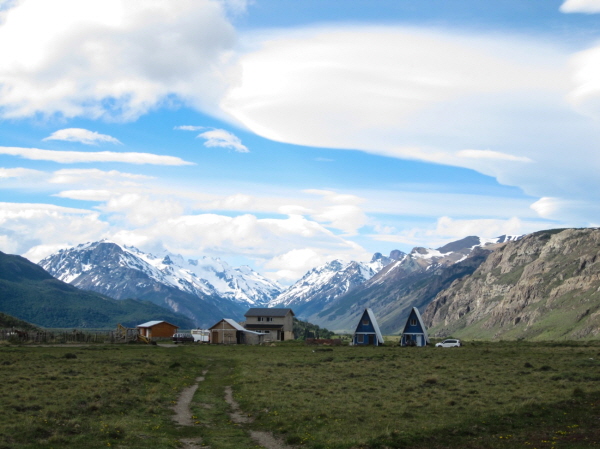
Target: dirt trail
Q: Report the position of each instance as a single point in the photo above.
(183, 414)
(183, 417)
(265, 439)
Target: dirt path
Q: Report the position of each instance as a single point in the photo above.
(183, 414)
(183, 417)
(265, 439)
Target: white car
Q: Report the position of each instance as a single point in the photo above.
(449, 343)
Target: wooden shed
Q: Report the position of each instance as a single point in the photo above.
(415, 332)
(157, 329)
(367, 331)
(228, 331)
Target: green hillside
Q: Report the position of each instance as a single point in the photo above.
(29, 293)
(7, 321)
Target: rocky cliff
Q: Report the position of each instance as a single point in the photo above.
(544, 286)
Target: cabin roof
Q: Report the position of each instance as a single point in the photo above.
(236, 326)
(373, 321)
(268, 311)
(154, 323)
(420, 320)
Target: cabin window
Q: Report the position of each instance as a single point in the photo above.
(365, 322)
(413, 322)
(360, 338)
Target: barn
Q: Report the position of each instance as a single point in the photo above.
(228, 331)
(157, 329)
(415, 332)
(367, 331)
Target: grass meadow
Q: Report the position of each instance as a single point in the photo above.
(483, 395)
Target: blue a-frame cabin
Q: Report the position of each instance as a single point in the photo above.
(367, 332)
(414, 333)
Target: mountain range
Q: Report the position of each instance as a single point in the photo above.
(204, 290)
(30, 293)
(334, 295)
(544, 285)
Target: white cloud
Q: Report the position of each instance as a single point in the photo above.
(113, 58)
(94, 176)
(81, 135)
(338, 87)
(20, 173)
(35, 230)
(86, 195)
(554, 208)
(435, 96)
(585, 95)
(585, 6)
(223, 139)
(447, 229)
(489, 154)
(71, 157)
(189, 128)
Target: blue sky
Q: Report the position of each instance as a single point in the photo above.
(283, 134)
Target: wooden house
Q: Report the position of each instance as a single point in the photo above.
(229, 332)
(415, 332)
(367, 331)
(157, 329)
(277, 324)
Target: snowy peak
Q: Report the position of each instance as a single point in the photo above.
(326, 283)
(207, 276)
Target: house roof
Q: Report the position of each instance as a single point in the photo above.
(373, 321)
(272, 311)
(154, 323)
(375, 325)
(236, 326)
(418, 315)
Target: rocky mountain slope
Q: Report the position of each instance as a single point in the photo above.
(167, 280)
(30, 293)
(544, 286)
(406, 281)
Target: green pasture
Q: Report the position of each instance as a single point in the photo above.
(483, 395)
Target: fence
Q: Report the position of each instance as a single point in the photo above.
(75, 336)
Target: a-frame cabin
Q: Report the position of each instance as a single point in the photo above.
(414, 333)
(367, 332)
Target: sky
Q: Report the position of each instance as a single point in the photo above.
(283, 134)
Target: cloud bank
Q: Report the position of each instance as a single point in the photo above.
(113, 59)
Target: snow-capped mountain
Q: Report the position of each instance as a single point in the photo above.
(325, 283)
(403, 281)
(205, 289)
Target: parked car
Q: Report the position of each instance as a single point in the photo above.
(182, 338)
(449, 343)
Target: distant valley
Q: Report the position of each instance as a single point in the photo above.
(545, 285)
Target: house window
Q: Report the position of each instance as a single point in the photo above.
(365, 322)
(264, 318)
(413, 322)
(269, 318)
(360, 338)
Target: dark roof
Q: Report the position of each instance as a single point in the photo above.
(263, 311)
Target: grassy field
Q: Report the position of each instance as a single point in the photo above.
(483, 395)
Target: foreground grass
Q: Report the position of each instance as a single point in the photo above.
(95, 396)
(493, 395)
